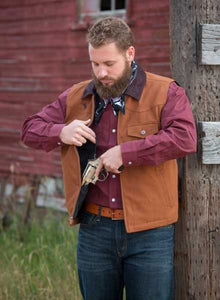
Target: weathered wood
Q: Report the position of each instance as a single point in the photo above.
(197, 249)
(38, 11)
(210, 132)
(24, 72)
(44, 55)
(209, 44)
(37, 86)
(39, 40)
(60, 23)
(20, 3)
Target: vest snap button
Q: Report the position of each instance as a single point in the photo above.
(143, 132)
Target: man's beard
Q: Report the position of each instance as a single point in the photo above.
(117, 88)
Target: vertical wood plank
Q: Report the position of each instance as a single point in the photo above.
(197, 245)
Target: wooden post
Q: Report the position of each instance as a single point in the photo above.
(197, 248)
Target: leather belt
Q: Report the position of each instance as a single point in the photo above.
(114, 214)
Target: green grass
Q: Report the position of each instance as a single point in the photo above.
(39, 262)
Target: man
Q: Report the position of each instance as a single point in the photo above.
(137, 124)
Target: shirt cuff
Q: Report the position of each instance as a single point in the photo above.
(55, 132)
(129, 153)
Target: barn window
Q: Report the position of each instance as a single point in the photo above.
(97, 8)
(112, 5)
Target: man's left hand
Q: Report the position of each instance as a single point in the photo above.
(111, 160)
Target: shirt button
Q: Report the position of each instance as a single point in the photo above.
(114, 130)
(143, 132)
(58, 143)
(113, 199)
(113, 176)
(130, 162)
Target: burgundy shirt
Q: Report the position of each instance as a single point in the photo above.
(41, 131)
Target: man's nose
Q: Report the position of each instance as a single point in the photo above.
(102, 73)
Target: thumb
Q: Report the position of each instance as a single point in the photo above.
(86, 122)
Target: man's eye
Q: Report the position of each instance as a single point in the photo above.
(95, 64)
(109, 64)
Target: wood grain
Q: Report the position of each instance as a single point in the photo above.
(197, 260)
(209, 44)
(210, 142)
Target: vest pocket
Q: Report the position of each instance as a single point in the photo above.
(141, 131)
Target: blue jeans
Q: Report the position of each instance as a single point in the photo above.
(109, 258)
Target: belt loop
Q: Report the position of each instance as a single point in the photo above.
(99, 214)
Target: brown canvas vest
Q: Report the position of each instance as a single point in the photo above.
(149, 193)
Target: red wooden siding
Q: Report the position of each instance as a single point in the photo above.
(150, 23)
(43, 51)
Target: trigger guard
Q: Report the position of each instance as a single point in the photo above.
(103, 175)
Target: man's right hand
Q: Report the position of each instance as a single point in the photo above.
(76, 133)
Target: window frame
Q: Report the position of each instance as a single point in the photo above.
(113, 9)
(89, 11)
(92, 9)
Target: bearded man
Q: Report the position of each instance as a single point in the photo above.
(137, 124)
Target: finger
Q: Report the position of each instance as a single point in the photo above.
(86, 134)
(99, 168)
(87, 130)
(86, 122)
(84, 126)
(91, 138)
(76, 142)
(81, 139)
(116, 171)
(112, 170)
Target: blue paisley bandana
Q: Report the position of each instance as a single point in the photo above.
(118, 103)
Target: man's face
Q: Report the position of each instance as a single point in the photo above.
(111, 69)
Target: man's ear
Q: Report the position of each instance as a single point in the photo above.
(130, 53)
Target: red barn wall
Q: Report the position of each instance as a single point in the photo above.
(43, 51)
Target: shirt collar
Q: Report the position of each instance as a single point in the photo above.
(134, 89)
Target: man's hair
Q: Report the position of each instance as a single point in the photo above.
(109, 30)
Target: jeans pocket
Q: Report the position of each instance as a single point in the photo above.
(87, 219)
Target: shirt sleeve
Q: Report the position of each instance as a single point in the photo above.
(42, 130)
(176, 138)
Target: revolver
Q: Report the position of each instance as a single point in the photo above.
(89, 172)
